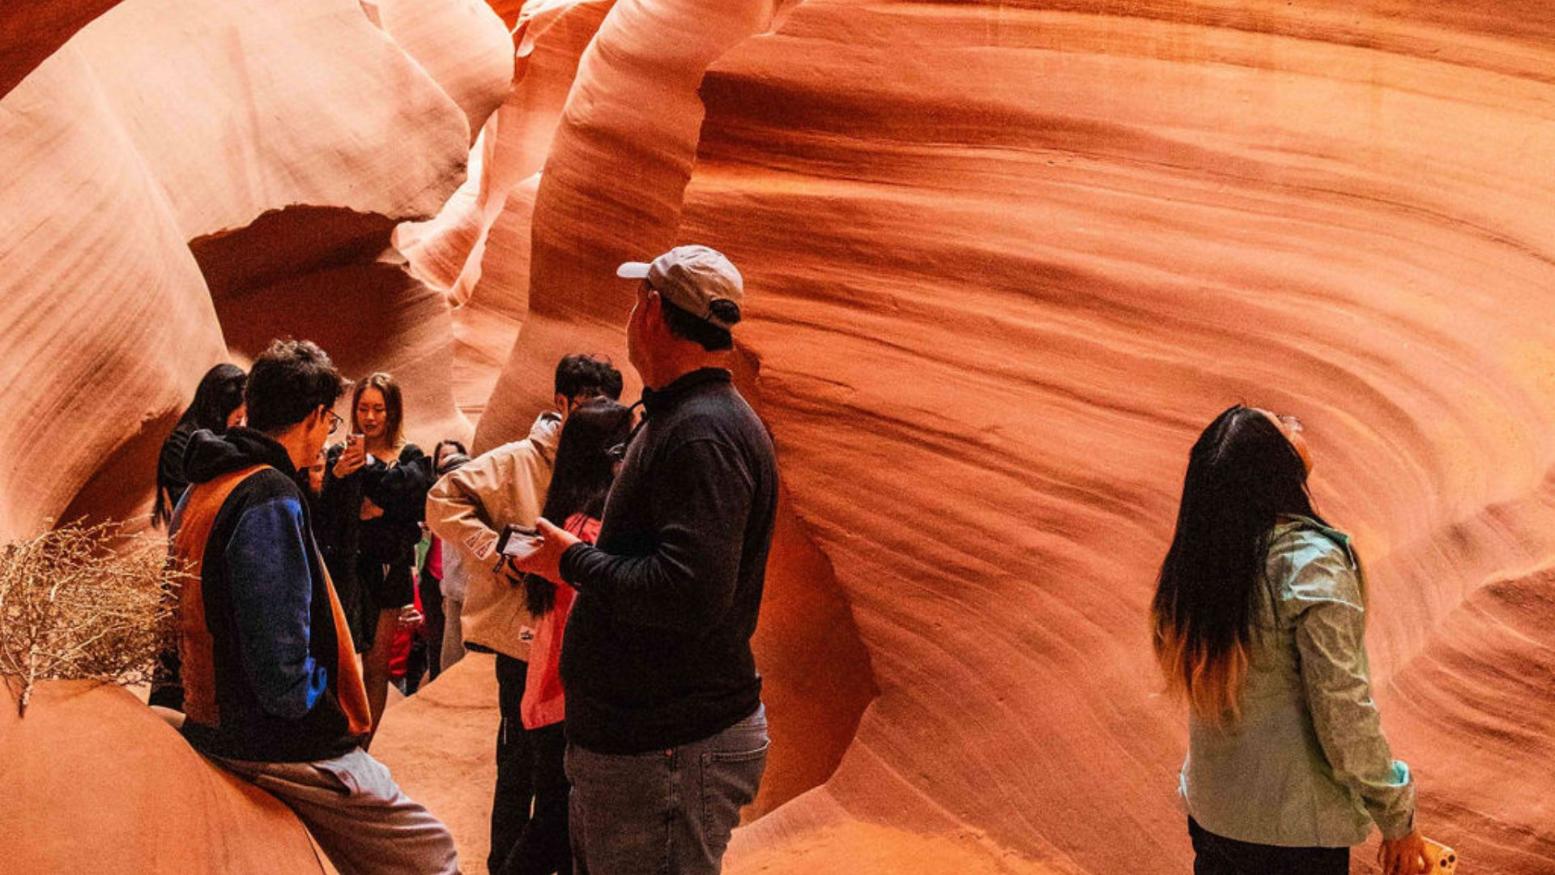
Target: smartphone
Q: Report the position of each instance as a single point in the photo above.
(355, 438)
(1441, 859)
(515, 539)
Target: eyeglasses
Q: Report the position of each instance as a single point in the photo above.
(334, 421)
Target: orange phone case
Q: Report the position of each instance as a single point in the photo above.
(1442, 859)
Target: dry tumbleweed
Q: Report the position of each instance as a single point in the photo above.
(83, 602)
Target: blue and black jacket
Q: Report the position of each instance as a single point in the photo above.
(268, 666)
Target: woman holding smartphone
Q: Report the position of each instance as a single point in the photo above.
(1259, 623)
(372, 493)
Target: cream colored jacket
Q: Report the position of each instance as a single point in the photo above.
(468, 509)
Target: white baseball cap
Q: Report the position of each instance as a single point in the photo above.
(692, 278)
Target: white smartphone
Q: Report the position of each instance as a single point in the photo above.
(516, 540)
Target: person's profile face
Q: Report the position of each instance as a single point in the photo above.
(236, 417)
(1294, 432)
(372, 414)
(316, 472)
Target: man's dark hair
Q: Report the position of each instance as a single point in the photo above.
(687, 326)
(288, 381)
(585, 376)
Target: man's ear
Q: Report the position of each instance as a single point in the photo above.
(561, 401)
(653, 309)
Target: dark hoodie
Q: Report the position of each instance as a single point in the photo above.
(267, 662)
(372, 562)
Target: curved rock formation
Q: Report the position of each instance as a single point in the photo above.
(1007, 259)
(91, 776)
(476, 250)
(1005, 284)
(164, 123)
(30, 32)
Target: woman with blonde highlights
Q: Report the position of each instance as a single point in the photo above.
(1259, 624)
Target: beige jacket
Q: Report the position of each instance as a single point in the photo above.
(470, 506)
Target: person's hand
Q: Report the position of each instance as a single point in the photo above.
(409, 616)
(543, 555)
(370, 510)
(351, 459)
(1403, 856)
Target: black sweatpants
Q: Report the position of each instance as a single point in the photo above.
(1217, 855)
(514, 794)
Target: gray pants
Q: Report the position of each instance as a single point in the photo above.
(667, 810)
(357, 814)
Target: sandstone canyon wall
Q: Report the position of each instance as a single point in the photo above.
(1005, 260)
(95, 781)
(188, 180)
(185, 181)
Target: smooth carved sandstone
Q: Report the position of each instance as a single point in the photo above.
(30, 32)
(476, 250)
(93, 779)
(1009, 261)
(284, 140)
(1006, 262)
(1005, 258)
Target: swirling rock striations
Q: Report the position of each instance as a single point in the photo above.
(1008, 259)
(476, 250)
(93, 779)
(166, 123)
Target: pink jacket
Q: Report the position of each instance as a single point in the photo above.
(543, 702)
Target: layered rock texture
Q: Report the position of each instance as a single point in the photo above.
(1006, 259)
(184, 182)
(189, 180)
(94, 780)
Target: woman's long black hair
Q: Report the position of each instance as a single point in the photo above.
(220, 392)
(581, 477)
(1242, 475)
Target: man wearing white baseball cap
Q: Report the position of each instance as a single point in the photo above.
(664, 720)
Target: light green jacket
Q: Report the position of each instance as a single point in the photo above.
(1307, 765)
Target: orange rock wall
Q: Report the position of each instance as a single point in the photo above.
(1006, 260)
(94, 780)
(283, 140)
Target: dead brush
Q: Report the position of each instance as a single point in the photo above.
(84, 602)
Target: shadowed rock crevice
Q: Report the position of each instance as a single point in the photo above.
(289, 242)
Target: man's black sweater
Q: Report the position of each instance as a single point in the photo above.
(657, 650)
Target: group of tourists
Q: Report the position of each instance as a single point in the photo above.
(614, 566)
(620, 615)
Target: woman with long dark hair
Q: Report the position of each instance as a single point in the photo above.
(588, 453)
(429, 648)
(1259, 623)
(217, 406)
